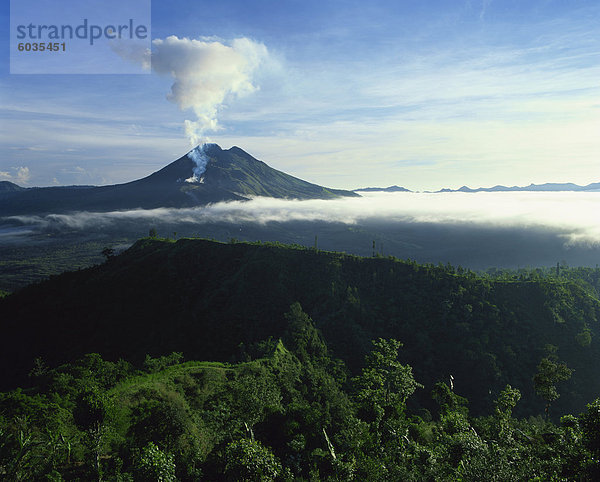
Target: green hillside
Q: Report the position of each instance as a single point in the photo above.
(216, 301)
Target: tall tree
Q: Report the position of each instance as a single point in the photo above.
(550, 371)
(385, 383)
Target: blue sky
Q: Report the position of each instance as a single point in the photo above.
(423, 94)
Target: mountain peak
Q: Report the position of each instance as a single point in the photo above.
(207, 148)
(205, 174)
(200, 156)
(236, 172)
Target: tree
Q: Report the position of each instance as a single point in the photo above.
(549, 372)
(504, 405)
(154, 464)
(448, 400)
(302, 337)
(255, 395)
(90, 415)
(590, 424)
(385, 384)
(108, 252)
(249, 460)
(506, 401)
(163, 419)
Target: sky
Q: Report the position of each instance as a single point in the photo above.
(347, 94)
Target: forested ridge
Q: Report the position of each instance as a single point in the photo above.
(305, 378)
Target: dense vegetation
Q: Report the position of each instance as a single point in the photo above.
(32, 248)
(296, 388)
(163, 296)
(290, 414)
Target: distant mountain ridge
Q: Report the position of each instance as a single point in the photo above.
(7, 186)
(547, 187)
(228, 175)
(393, 188)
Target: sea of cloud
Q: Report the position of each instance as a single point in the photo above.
(574, 215)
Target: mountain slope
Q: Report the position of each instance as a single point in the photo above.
(210, 299)
(236, 171)
(8, 187)
(229, 175)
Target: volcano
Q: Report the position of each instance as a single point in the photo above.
(207, 174)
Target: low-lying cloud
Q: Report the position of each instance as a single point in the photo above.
(573, 216)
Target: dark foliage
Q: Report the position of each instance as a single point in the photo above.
(217, 301)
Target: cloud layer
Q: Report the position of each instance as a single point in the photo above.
(574, 216)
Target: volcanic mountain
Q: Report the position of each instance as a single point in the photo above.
(206, 174)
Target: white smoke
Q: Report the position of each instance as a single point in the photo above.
(207, 74)
(198, 155)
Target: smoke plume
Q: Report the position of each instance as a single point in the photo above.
(198, 155)
(207, 74)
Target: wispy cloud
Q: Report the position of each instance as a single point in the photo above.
(59, 146)
(484, 109)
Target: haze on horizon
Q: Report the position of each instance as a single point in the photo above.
(425, 95)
